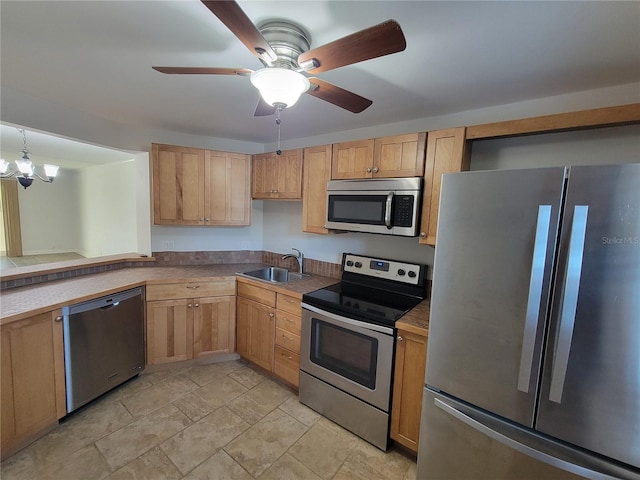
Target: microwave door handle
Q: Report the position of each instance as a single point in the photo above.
(387, 211)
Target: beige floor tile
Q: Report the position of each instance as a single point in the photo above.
(288, 468)
(205, 374)
(221, 391)
(323, 450)
(194, 406)
(20, 466)
(133, 386)
(219, 467)
(131, 441)
(247, 376)
(299, 411)
(248, 409)
(370, 463)
(81, 429)
(81, 465)
(190, 447)
(412, 471)
(158, 395)
(260, 446)
(153, 465)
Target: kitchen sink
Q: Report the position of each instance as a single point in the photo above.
(274, 274)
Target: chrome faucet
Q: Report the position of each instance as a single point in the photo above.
(299, 257)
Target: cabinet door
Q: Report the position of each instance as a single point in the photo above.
(352, 159)
(227, 195)
(265, 168)
(447, 151)
(289, 175)
(33, 385)
(169, 331)
(178, 185)
(408, 385)
(316, 174)
(214, 326)
(255, 332)
(399, 156)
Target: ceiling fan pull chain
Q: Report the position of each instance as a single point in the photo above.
(278, 122)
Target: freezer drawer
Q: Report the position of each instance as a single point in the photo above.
(460, 442)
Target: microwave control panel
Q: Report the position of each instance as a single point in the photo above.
(388, 269)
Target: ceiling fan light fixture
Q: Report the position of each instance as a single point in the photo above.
(280, 85)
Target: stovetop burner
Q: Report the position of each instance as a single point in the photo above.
(374, 290)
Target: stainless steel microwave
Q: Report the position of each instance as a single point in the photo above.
(389, 206)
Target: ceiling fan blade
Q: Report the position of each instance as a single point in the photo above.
(204, 71)
(263, 109)
(230, 13)
(338, 96)
(377, 41)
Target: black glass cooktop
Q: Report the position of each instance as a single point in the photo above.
(361, 302)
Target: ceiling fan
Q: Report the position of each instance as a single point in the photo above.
(284, 50)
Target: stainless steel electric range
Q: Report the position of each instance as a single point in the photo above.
(348, 342)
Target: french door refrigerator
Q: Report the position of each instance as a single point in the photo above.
(533, 363)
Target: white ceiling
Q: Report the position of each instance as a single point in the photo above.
(96, 57)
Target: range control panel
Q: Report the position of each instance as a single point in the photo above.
(381, 268)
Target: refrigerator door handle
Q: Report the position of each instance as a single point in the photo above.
(535, 295)
(521, 447)
(569, 302)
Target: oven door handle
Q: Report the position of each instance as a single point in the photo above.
(349, 321)
(387, 210)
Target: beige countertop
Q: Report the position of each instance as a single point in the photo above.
(417, 320)
(22, 302)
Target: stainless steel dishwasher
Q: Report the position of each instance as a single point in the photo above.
(103, 345)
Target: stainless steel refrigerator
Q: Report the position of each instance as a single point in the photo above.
(533, 363)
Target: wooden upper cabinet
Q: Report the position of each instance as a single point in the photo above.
(278, 177)
(399, 156)
(385, 157)
(352, 159)
(316, 174)
(227, 199)
(178, 187)
(192, 186)
(447, 152)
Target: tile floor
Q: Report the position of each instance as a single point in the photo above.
(218, 421)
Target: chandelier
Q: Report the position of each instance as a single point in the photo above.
(24, 169)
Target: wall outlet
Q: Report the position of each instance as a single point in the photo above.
(245, 245)
(168, 245)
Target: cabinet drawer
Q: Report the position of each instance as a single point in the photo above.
(288, 340)
(171, 291)
(289, 322)
(257, 294)
(289, 304)
(287, 366)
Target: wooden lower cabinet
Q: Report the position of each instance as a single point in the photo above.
(408, 386)
(186, 328)
(268, 330)
(255, 325)
(32, 375)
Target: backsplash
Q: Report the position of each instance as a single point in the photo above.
(315, 267)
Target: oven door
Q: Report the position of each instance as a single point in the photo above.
(354, 356)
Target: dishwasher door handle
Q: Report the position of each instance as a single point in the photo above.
(108, 307)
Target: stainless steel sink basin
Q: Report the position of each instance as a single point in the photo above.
(274, 274)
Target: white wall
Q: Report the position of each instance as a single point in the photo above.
(49, 215)
(108, 209)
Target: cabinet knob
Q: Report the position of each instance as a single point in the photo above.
(423, 234)
(271, 315)
(206, 219)
(197, 305)
(376, 169)
(368, 169)
(400, 339)
(202, 219)
(189, 305)
(58, 318)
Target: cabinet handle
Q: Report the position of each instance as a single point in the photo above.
(193, 287)
(59, 319)
(368, 169)
(286, 356)
(376, 169)
(202, 219)
(271, 315)
(206, 219)
(285, 337)
(400, 339)
(423, 234)
(197, 305)
(189, 305)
